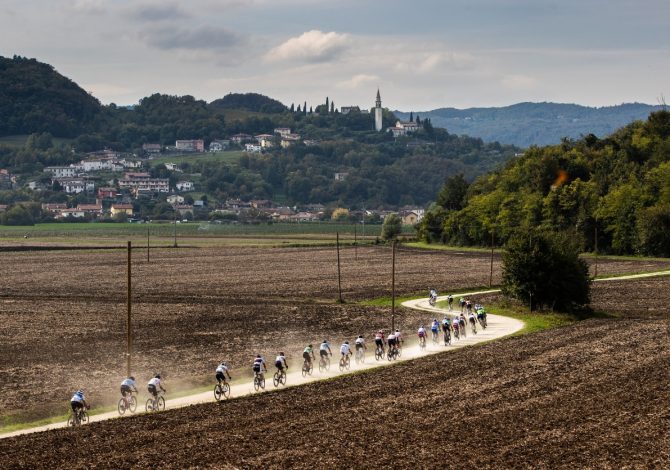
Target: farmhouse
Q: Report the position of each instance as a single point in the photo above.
(185, 186)
(121, 209)
(190, 145)
(61, 171)
(252, 148)
(239, 138)
(152, 148)
(219, 145)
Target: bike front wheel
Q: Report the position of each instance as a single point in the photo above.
(71, 421)
(149, 405)
(276, 380)
(132, 404)
(218, 392)
(160, 404)
(121, 406)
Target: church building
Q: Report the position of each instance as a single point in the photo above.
(378, 112)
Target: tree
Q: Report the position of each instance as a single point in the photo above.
(332, 107)
(392, 227)
(452, 194)
(411, 116)
(340, 215)
(304, 107)
(293, 108)
(543, 269)
(327, 106)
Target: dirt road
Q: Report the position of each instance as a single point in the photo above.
(498, 327)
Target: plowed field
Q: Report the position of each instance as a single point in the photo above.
(589, 395)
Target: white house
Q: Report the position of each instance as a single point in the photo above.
(61, 171)
(282, 131)
(219, 145)
(175, 199)
(76, 185)
(185, 186)
(253, 148)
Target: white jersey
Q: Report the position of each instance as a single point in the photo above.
(221, 369)
(397, 335)
(421, 331)
(128, 383)
(472, 316)
(281, 359)
(391, 337)
(360, 341)
(324, 347)
(77, 397)
(156, 382)
(344, 349)
(455, 322)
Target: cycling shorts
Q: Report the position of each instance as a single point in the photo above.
(305, 355)
(421, 334)
(220, 377)
(279, 365)
(392, 342)
(152, 389)
(323, 353)
(125, 389)
(379, 341)
(359, 346)
(76, 405)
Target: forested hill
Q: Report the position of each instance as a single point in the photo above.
(617, 187)
(36, 98)
(527, 124)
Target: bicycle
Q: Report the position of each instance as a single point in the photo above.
(422, 342)
(307, 368)
(482, 321)
(461, 327)
(344, 363)
(78, 417)
(360, 355)
(435, 336)
(393, 354)
(324, 363)
(128, 403)
(447, 338)
(473, 324)
(279, 378)
(379, 353)
(155, 403)
(221, 390)
(456, 333)
(259, 381)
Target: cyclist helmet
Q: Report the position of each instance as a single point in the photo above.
(281, 353)
(381, 331)
(132, 378)
(80, 391)
(346, 342)
(397, 330)
(360, 336)
(258, 355)
(325, 340)
(223, 363)
(309, 346)
(158, 376)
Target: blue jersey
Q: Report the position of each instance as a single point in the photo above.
(435, 326)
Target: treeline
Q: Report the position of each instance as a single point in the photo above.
(617, 187)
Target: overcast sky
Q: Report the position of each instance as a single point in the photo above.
(423, 54)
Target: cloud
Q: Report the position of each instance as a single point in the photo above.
(311, 47)
(204, 38)
(518, 82)
(159, 12)
(90, 7)
(358, 80)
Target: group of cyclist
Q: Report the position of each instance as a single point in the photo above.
(455, 326)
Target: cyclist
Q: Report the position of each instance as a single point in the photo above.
(379, 340)
(398, 338)
(422, 334)
(450, 300)
(446, 325)
(280, 362)
(468, 305)
(345, 349)
(481, 315)
(221, 373)
(461, 303)
(472, 320)
(324, 350)
(78, 402)
(434, 327)
(391, 341)
(432, 296)
(155, 384)
(360, 343)
(259, 366)
(128, 386)
(308, 354)
(461, 324)
(455, 324)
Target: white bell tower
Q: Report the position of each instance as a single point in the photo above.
(378, 112)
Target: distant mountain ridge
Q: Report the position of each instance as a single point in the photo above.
(526, 124)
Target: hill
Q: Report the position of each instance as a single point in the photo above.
(526, 124)
(249, 102)
(34, 98)
(616, 188)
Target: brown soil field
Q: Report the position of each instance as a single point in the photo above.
(62, 314)
(590, 395)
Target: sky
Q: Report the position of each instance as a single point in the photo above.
(422, 54)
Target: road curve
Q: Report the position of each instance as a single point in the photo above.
(498, 327)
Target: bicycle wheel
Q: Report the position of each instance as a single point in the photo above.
(322, 365)
(150, 405)
(276, 380)
(342, 365)
(121, 406)
(160, 404)
(398, 353)
(218, 392)
(226, 389)
(257, 383)
(71, 420)
(263, 383)
(347, 363)
(305, 369)
(83, 419)
(132, 403)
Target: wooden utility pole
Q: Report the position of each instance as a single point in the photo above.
(393, 287)
(355, 244)
(148, 245)
(339, 275)
(493, 239)
(175, 228)
(596, 248)
(129, 304)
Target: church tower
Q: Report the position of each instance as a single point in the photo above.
(378, 112)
